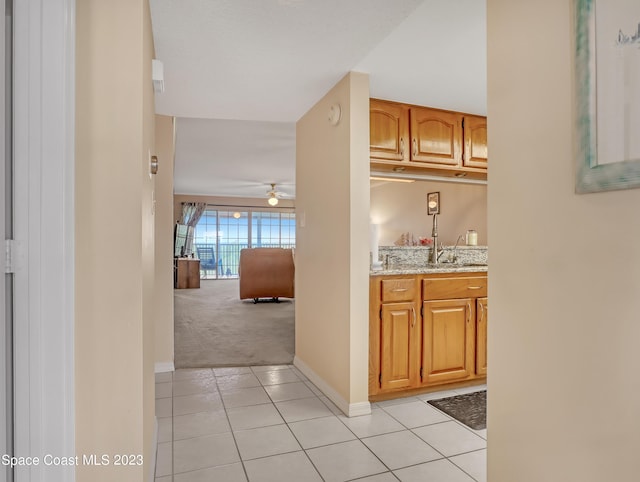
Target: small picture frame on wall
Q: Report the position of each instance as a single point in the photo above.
(433, 203)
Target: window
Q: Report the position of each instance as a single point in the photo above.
(221, 234)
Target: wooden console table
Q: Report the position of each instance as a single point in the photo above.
(186, 273)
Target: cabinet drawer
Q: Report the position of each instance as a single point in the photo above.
(398, 290)
(450, 288)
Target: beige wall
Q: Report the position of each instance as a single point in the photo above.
(332, 210)
(563, 337)
(402, 207)
(163, 306)
(114, 237)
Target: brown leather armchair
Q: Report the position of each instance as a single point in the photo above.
(266, 273)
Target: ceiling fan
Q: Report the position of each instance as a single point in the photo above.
(273, 195)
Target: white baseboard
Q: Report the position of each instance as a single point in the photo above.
(162, 367)
(154, 450)
(349, 409)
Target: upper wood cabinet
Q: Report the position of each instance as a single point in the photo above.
(421, 139)
(436, 136)
(388, 131)
(475, 141)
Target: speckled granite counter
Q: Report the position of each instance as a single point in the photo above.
(402, 260)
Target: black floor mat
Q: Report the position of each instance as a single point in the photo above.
(470, 408)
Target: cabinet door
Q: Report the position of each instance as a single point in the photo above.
(448, 340)
(436, 136)
(399, 346)
(481, 336)
(388, 131)
(475, 141)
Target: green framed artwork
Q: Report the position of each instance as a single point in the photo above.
(607, 62)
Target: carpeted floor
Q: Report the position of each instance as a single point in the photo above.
(214, 328)
(470, 408)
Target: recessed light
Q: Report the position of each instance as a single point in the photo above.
(398, 169)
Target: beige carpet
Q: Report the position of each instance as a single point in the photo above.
(214, 328)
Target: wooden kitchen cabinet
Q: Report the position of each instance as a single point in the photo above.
(436, 136)
(400, 346)
(394, 332)
(448, 340)
(388, 131)
(443, 342)
(475, 142)
(482, 317)
(415, 139)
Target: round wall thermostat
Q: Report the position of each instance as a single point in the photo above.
(334, 114)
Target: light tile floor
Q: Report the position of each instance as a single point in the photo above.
(272, 424)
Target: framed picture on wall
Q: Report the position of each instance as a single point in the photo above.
(433, 203)
(607, 48)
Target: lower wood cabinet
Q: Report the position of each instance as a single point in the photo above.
(399, 350)
(448, 340)
(426, 330)
(481, 335)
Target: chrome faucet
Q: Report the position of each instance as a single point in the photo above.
(435, 255)
(455, 248)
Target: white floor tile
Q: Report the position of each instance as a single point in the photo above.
(289, 391)
(345, 461)
(302, 409)
(396, 401)
(225, 372)
(386, 477)
(164, 390)
(164, 377)
(436, 395)
(265, 441)
(199, 424)
(438, 471)
(269, 368)
(243, 397)
(450, 438)
(164, 407)
(276, 377)
(165, 429)
(321, 431)
(254, 416)
(377, 423)
(475, 388)
(202, 452)
(188, 373)
(301, 375)
(166, 478)
(203, 402)
(294, 466)
(313, 388)
(416, 414)
(331, 406)
(233, 382)
(164, 459)
(195, 385)
(226, 473)
(401, 449)
(473, 463)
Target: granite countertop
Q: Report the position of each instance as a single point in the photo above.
(408, 260)
(430, 269)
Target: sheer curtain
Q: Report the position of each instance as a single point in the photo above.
(191, 213)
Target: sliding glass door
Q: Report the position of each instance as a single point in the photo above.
(221, 234)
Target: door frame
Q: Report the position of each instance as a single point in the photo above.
(43, 255)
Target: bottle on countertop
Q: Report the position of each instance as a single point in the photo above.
(472, 237)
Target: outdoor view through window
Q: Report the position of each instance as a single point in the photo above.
(221, 234)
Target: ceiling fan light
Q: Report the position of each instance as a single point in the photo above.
(273, 201)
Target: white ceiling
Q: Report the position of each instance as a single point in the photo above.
(240, 73)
